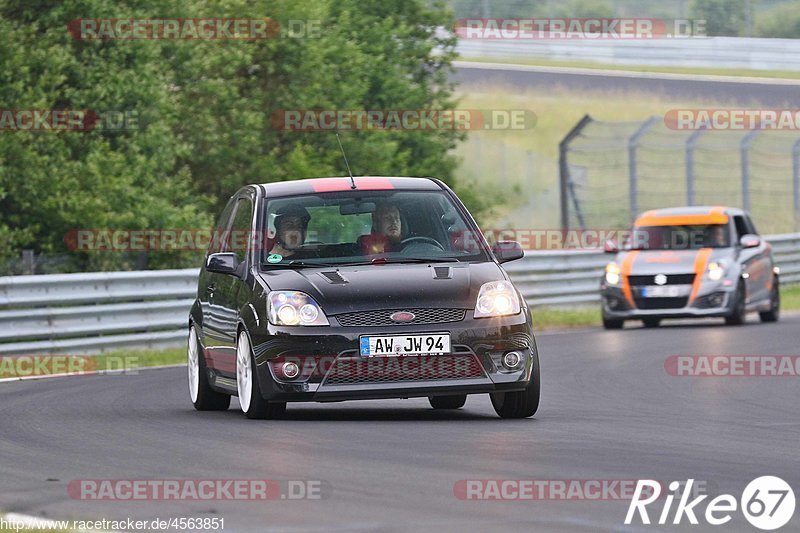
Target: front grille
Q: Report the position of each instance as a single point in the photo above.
(661, 303)
(367, 370)
(381, 318)
(672, 279)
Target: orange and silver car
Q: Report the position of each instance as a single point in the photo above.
(690, 262)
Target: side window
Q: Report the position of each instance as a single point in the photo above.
(240, 229)
(217, 240)
(751, 228)
(741, 226)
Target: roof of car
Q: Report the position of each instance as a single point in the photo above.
(334, 184)
(705, 214)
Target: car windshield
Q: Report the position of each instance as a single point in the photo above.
(363, 227)
(680, 237)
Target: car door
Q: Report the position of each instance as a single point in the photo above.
(211, 331)
(749, 259)
(231, 291)
(761, 274)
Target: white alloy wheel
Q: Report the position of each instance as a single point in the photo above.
(244, 372)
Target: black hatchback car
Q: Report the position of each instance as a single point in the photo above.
(337, 289)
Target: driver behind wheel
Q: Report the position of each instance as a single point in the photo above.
(387, 230)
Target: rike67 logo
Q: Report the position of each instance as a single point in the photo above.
(767, 502)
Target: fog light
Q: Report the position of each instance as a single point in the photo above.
(290, 370)
(511, 360)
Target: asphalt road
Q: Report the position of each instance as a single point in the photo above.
(711, 89)
(609, 411)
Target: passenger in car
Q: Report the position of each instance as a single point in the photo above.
(387, 230)
(291, 224)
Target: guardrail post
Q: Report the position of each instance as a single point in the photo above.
(633, 144)
(690, 145)
(796, 177)
(744, 149)
(563, 168)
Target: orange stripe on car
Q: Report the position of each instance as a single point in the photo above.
(625, 270)
(700, 265)
(712, 217)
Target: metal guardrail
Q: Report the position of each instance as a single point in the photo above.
(571, 277)
(716, 52)
(101, 311)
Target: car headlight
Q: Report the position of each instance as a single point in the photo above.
(294, 308)
(497, 298)
(612, 274)
(716, 270)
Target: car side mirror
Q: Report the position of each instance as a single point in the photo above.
(506, 251)
(610, 247)
(222, 263)
(750, 241)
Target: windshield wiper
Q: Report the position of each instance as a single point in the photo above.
(301, 263)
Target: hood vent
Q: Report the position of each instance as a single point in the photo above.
(334, 278)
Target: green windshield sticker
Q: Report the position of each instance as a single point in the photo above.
(274, 258)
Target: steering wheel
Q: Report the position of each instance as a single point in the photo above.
(421, 239)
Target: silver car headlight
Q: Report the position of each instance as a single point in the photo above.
(497, 298)
(612, 274)
(294, 308)
(716, 270)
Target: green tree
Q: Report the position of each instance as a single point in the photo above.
(723, 17)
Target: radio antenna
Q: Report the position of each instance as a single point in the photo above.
(350, 172)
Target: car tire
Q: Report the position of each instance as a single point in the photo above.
(651, 322)
(520, 404)
(456, 401)
(252, 403)
(203, 397)
(738, 315)
(775, 305)
(613, 323)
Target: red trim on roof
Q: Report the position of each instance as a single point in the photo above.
(343, 184)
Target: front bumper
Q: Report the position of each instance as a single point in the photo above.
(713, 299)
(333, 370)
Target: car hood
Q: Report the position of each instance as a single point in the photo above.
(388, 286)
(652, 262)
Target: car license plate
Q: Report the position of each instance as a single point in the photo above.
(395, 345)
(665, 291)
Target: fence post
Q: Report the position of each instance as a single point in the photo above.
(690, 144)
(633, 144)
(563, 168)
(744, 149)
(796, 177)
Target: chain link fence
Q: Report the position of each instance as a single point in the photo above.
(610, 171)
